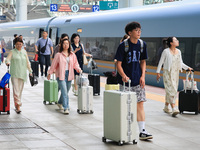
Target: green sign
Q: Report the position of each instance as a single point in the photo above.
(107, 5)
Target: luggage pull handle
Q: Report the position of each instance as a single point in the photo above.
(8, 72)
(129, 86)
(187, 79)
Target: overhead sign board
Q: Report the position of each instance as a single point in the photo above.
(2, 17)
(71, 8)
(95, 8)
(107, 5)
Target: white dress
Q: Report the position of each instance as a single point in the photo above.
(171, 79)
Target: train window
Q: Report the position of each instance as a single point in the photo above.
(101, 48)
(151, 51)
(182, 49)
(197, 57)
(68, 20)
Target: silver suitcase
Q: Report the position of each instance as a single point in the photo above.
(85, 100)
(120, 116)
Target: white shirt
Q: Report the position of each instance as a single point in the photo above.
(166, 61)
(67, 63)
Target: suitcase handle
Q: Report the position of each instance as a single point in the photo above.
(187, 80)
(129, 85)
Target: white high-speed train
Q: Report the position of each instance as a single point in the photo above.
(101, 33)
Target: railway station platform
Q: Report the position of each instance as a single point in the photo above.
(44, 127)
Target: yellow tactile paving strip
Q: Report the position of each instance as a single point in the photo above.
(149, 95)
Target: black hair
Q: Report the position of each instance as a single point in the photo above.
(45, 31)
(169, 40)
(61, 46)
(124, 38)
(62, 36)
(73, 36)
(131, 26)
(15, 35)
(18, 39)
(20, 35)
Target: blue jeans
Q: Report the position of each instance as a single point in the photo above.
(64, 86)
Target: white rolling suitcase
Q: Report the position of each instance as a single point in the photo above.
(120, 116)
(85, 99)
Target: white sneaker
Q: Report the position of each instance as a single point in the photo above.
(167, 110)
(76, 92)
(73, 89)
(66, 112)
(60, 106)
(174, 113)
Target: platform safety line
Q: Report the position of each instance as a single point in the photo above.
(149, 95)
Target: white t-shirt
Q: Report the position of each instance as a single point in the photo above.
(67, 68)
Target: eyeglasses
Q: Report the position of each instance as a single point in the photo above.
(138, 30)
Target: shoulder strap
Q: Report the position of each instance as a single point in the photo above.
(46, 42)
(126, 45)
(142, 45)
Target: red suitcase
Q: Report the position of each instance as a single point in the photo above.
(5, 100)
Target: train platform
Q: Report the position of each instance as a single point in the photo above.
(40, 126)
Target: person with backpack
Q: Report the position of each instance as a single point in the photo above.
(19, 63)
(45, 48)
(131, 58)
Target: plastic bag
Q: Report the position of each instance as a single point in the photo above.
(82, 80)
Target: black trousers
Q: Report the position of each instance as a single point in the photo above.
(44, 60)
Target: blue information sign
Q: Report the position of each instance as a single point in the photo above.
(53, 7)
(95, 8)
(2, 17)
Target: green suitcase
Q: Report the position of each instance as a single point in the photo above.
(50, 91)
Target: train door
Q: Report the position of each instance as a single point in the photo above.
(40, 32)
(53, 34)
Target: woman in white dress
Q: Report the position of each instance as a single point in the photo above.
(172, 62)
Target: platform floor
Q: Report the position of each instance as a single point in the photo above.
(44, 127)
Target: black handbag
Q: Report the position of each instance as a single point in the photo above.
(42, 50)
(33, 79)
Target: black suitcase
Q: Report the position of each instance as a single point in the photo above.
(94, 81)
(189, 101)
(34, 66)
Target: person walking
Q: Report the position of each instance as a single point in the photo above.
(18, 61)
(24, 44)
(172, 62)
(131, 65)
(15, 36)
(78, 49)
(57, 48)
(64, 64)
(44, 57)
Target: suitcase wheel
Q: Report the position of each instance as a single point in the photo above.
(103, 139)
(181, 112)
(56, 102)
(50, 103)
(44, 102)
(78, 111)
(8, 112)
(134, 141)
(91, 111)
(196, 113)
(120, 143)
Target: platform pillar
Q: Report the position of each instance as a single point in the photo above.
(21, 10)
